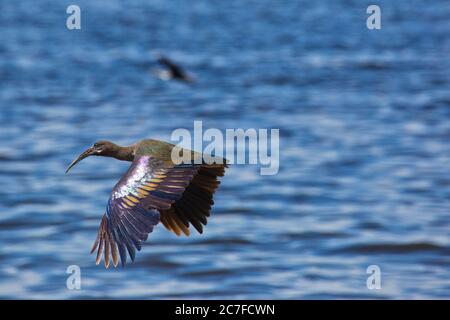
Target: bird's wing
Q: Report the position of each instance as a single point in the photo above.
(175, 69)
(169, 64)
(193, 205)
(149, 185)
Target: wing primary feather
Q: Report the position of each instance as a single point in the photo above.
(164, 222)
(100, 251)
(107, 250)
(172, 225)
(181, 216)
(121, 247)
(132, 234)
(95, 246)
(115, 257)
(180, 222)
(127, 241)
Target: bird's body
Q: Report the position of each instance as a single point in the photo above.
(173, 71)
(153, 190)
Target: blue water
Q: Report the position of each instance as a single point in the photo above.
(364, 120)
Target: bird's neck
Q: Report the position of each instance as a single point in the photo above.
(124, 153)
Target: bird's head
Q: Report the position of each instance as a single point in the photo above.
(100, 148)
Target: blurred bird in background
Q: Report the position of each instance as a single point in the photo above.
(171, 71)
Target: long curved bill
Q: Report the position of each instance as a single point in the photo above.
(85, 154)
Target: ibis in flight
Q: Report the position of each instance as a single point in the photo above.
(154, 189)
